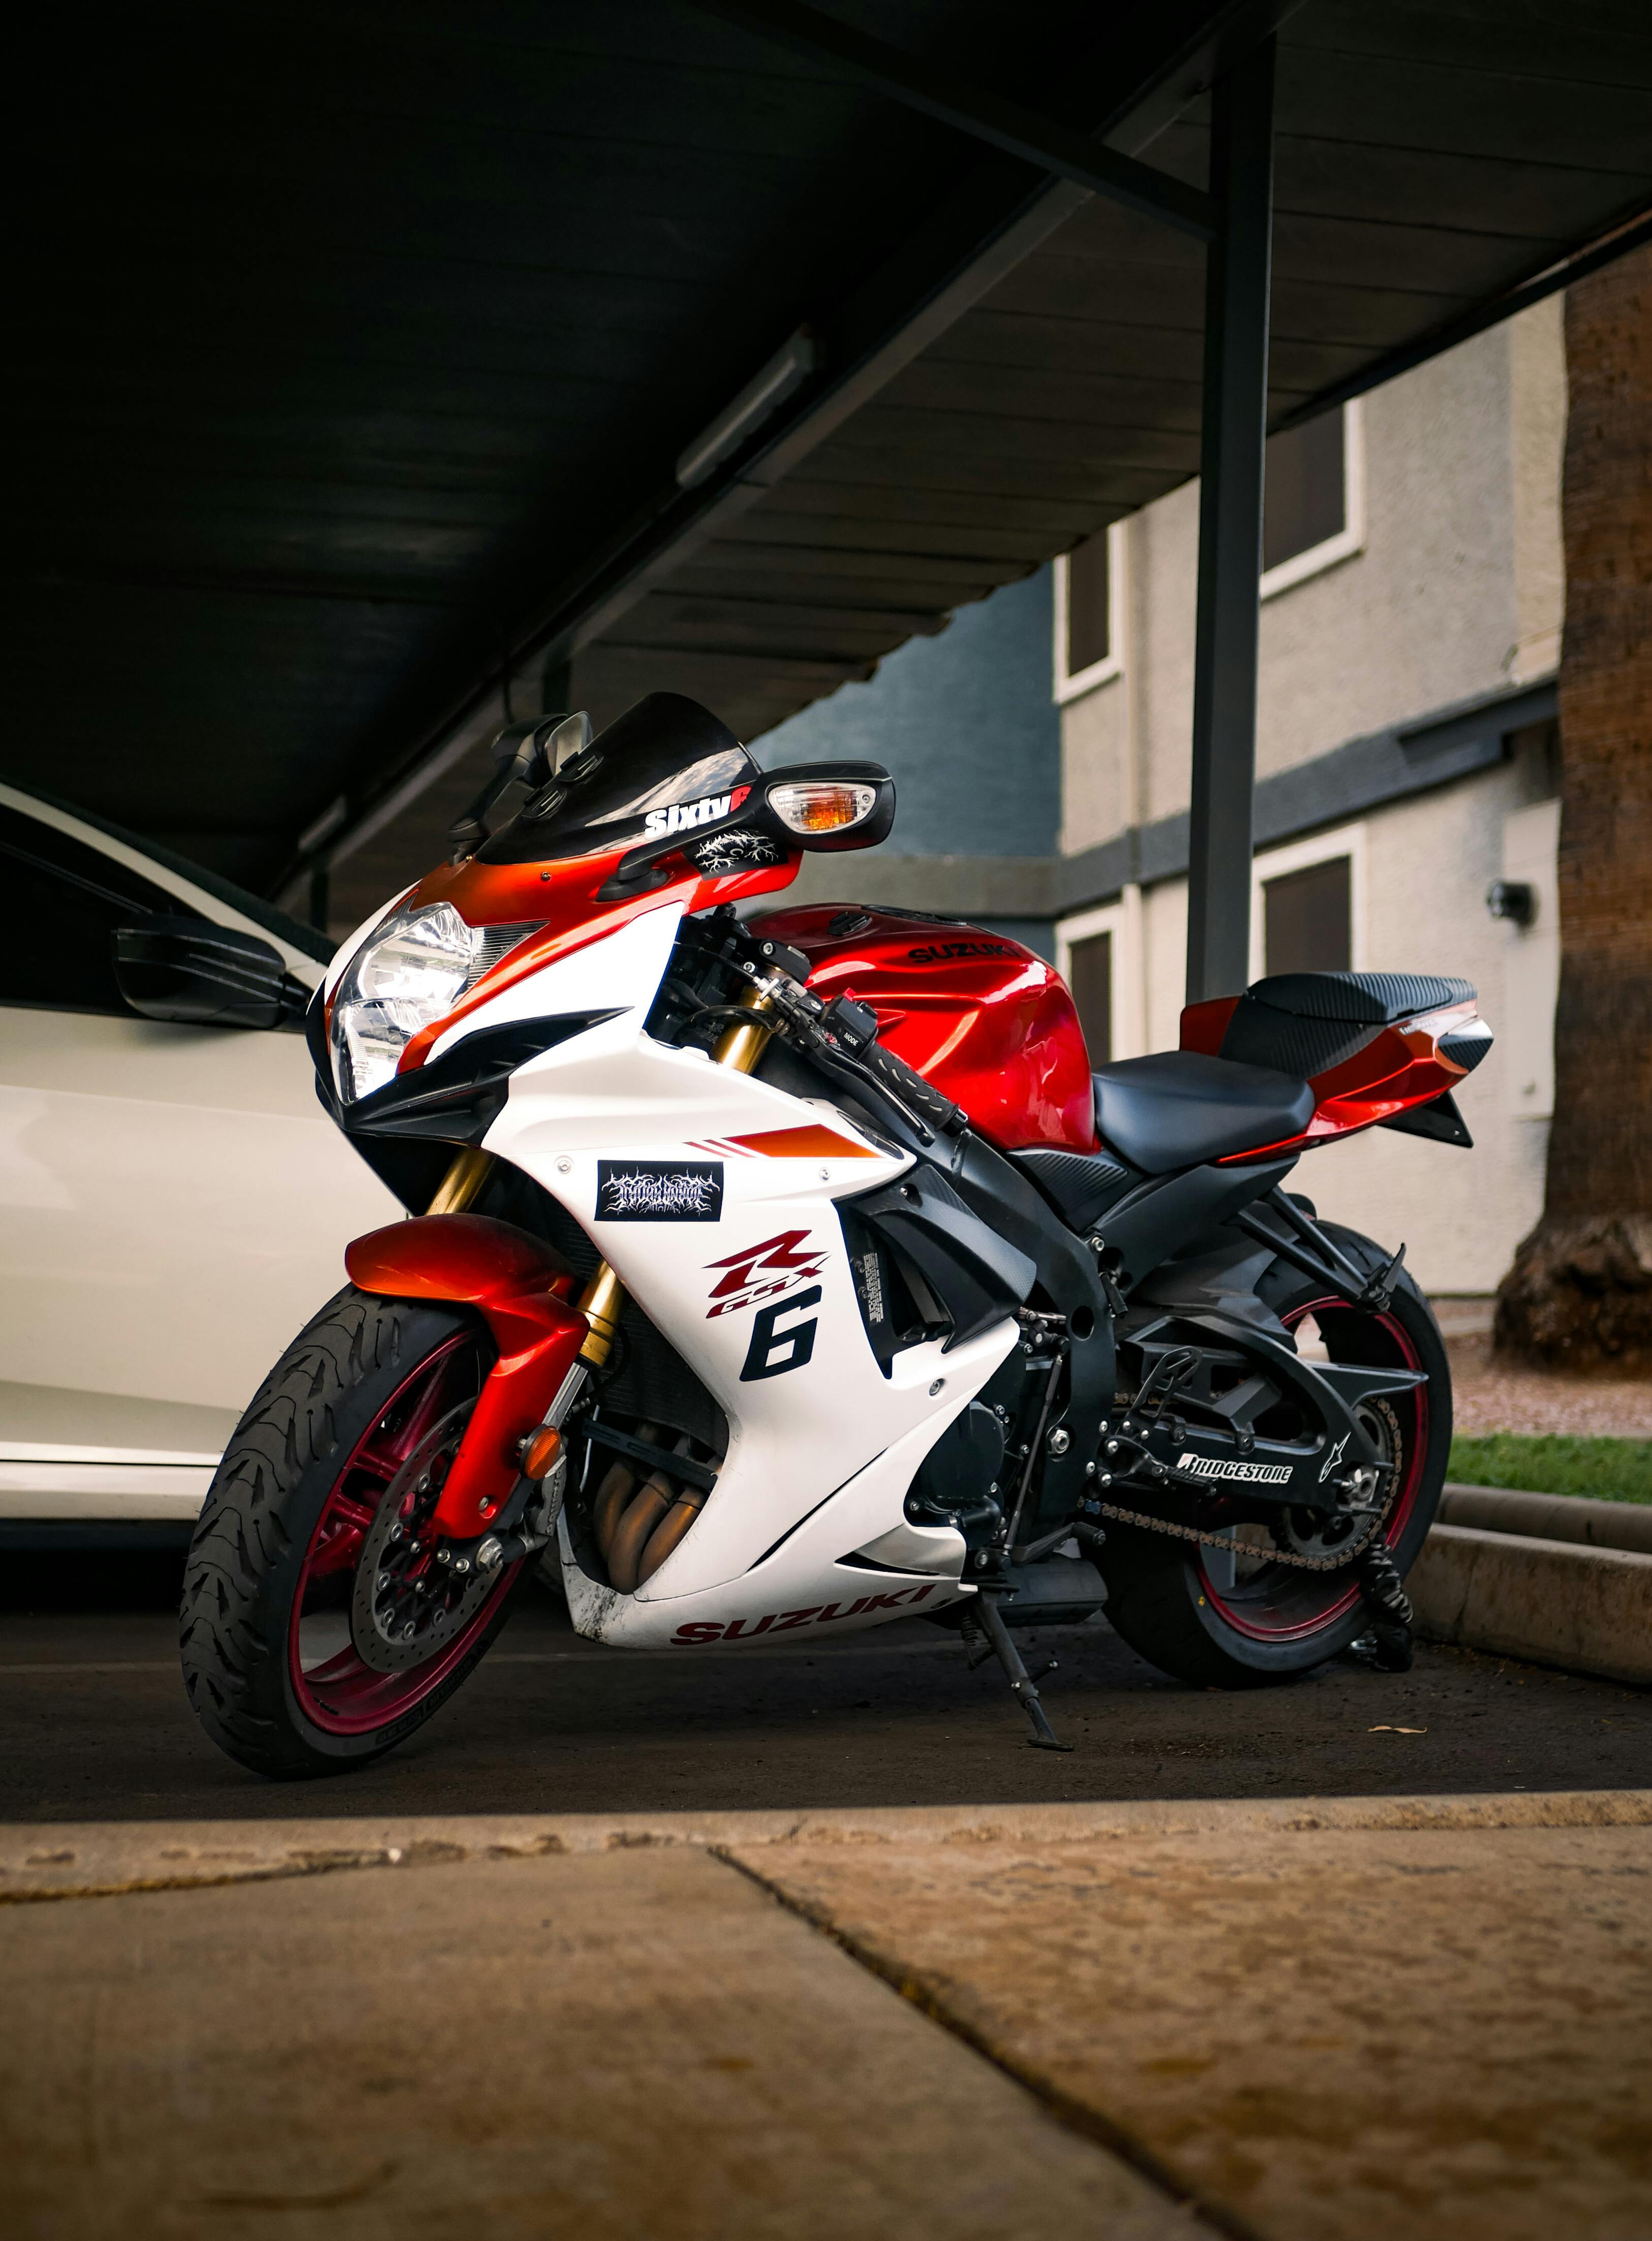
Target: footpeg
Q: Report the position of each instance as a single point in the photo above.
(1044, 1736)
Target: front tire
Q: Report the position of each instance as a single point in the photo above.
(1242, 1622)
(287, 1666)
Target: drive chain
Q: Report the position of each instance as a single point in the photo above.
(1275, 1556)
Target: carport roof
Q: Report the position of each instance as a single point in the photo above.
(356, 346)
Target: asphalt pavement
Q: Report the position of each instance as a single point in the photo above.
(94, 1725)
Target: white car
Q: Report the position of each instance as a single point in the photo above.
(176, 1203)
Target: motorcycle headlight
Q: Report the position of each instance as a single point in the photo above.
(411, 971)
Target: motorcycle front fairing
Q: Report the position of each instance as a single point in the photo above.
(714, 1196)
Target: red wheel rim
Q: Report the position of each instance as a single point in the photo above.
(1274, 1605)
(342, 1693)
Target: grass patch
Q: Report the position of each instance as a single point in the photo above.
(1555, 1462)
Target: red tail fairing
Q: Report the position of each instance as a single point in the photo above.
(1363, 1070)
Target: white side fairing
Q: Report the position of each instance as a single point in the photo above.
(714, 1196)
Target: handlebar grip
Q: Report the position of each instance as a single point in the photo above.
(907, 1083)
(855, 1027)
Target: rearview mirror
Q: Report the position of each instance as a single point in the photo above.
(202, 976)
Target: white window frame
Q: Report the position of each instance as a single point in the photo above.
(1350, 538)
(1099, 672)
(1347, 840)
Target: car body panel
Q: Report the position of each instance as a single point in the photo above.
(174, 1205)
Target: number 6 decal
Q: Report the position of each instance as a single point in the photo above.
(775, 1350)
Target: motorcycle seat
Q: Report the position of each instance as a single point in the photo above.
(1378, 999)
(1305, 1023)
(1180, 1108)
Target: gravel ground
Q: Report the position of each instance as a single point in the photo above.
(1492, 1398)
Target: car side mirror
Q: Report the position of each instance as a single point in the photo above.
(189, 970)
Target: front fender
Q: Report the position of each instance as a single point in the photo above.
(520, 1288)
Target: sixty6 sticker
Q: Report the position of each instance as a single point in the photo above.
(659, 1190)
(685, 816)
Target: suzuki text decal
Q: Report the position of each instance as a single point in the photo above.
(942, 953)
(685, 816)
(760, 1271)
(714, 1629)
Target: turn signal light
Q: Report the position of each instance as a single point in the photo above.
(819, 806)
(540, 1455)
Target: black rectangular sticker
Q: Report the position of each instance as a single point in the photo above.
(659, 1190)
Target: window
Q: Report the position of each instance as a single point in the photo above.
(1089, 620)
(1089, 975)
(66, 899)
(1313, 500)
(1098, 953)
(1306, 499)
(1089, 615)
(1308, 919)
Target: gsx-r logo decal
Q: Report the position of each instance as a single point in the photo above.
(757, 1272)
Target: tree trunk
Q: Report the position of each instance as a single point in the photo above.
(1579, 1296)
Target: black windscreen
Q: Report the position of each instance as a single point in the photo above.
(664, 751)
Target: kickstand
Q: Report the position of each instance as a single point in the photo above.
(1043, 1737)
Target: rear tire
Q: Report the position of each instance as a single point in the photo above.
(272, 1560)
(1165, 1596)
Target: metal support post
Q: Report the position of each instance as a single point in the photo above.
(1230, 527)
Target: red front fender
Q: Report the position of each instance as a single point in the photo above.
(519, 1287)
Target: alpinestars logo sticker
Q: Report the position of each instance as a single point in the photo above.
(761, 1271)
(659, 1190)
(1254, 1474)
(1332, 1459)
(687, 816)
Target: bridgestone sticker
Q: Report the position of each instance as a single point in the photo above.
(1252, 1474)
(659, 1190)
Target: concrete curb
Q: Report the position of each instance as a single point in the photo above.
(1587, 1610)
(1549, 1517)
(48, 1860)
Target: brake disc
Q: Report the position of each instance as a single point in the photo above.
(407, 1606)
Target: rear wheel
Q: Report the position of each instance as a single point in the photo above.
(318, 1628)
(1240, 1618)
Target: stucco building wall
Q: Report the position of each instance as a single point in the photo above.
(1455, 595)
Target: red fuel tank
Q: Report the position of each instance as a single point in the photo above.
(988, 1022)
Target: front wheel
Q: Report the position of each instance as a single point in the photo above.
(318, 1629)
(1236, 1617)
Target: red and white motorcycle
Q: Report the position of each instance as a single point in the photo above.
(795, 1274)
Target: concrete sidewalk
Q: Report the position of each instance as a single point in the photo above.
(1303, 2019)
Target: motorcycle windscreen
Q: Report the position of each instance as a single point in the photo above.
(665, 767)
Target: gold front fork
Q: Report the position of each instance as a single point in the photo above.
(461, 1184)
(741, 1047)
(603, 1300)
